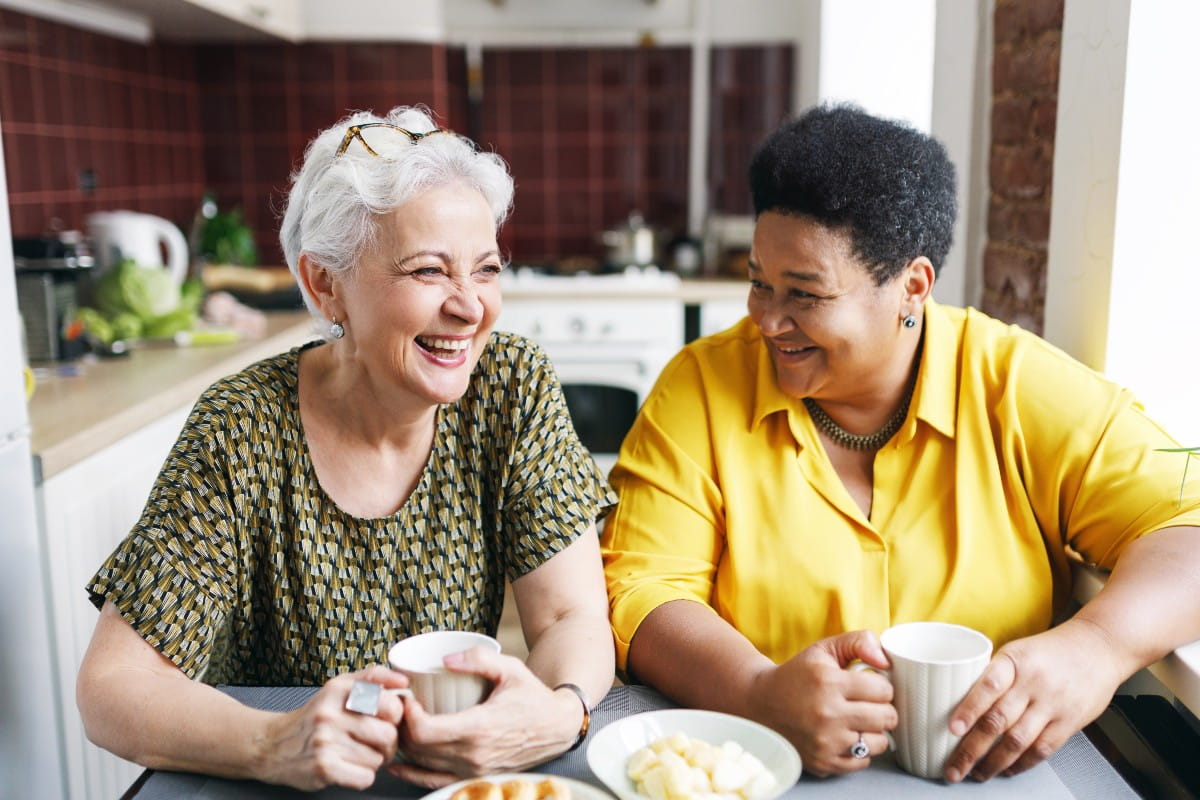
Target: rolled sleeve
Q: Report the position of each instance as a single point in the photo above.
(666, 537)
(173, 578)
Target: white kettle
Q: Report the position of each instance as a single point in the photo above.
(149, 240)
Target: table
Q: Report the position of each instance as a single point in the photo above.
(1077, 770)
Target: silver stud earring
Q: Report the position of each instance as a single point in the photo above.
(910, 321)
(336, 331)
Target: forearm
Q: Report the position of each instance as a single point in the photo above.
(170, 722)
(1150, 605)
(690, 654)
(563, 608)
(577, 648)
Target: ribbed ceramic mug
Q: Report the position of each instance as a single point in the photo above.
(439, 690)
(934, 665)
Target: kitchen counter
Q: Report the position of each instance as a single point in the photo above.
(699, 291)
(604, 287)
(76, 415)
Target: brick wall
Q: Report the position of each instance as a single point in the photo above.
(1028, 42)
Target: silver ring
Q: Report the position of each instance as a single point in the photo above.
(859, 749)
(364, 698)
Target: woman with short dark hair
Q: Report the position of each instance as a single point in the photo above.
(854, 455)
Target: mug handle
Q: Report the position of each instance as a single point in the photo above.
(862, 666)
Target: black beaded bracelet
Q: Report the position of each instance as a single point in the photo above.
(587, 713)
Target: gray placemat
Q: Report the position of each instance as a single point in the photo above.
(1077, 770)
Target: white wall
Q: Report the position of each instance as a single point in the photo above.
(927, 62)
(879, 54)
(961, 117)
(1123, 278)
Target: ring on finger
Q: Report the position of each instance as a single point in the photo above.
(860, 749)
(364, 698)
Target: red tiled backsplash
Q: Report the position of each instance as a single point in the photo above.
(589, 133)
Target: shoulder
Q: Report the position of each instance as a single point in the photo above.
(1020, 376)
(513, 379)
(725, 358)
(255, 393)
(1008, 350)
(513, 362)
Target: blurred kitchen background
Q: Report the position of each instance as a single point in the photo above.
(96, 119)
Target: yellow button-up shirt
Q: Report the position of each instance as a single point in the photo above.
(1012, 454)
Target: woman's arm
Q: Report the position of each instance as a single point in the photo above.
(693, 656)
(136, 703)
(1150, 605)
(563, 607)
(1039, 691)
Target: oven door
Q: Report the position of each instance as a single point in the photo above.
(603, 396)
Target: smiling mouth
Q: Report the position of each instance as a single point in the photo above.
(442, 348)
(792, 350)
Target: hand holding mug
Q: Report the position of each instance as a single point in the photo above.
(823, 708)
(522, 722)
(1034, 695)
(933, 667)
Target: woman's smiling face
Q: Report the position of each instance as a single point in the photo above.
(830, 330)
(422, 301)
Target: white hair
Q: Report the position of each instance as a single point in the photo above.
(335, 201)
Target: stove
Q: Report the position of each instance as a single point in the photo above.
(608, 336)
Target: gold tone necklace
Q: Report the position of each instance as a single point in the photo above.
(857, 441)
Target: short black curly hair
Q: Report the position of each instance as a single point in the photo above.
(890, 185)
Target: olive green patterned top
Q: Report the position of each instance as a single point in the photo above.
(242, 571)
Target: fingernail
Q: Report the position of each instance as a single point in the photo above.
(953, 775)
(957, 727)
(454, 659)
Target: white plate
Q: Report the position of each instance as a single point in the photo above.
(610, 748)
(579, 789)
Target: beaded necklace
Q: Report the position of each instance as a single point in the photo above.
(857, 441)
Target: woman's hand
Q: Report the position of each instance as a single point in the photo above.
(521, 723)
(1031, 698)
(822, 707)
(322, 744)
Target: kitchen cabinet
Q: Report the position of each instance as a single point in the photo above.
(100, 439)
(717, 315)
(87, 509)
(551, 22)
(216, 20)
(281, 18)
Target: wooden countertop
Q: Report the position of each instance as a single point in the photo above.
(76, 415)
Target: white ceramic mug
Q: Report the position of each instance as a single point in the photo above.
(934, 665)
(438, 689)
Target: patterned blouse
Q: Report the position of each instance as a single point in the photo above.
(241, 569)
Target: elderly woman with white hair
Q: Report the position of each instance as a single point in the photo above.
(327, 502)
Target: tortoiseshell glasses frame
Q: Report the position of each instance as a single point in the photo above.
(356, 132)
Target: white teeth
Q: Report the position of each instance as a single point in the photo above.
(444, 344)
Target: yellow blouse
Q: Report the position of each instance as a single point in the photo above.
(1012, 453)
